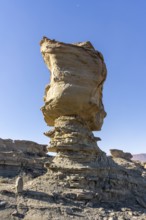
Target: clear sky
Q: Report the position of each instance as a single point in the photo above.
(117, 28)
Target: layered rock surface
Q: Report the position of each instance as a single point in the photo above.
(55, 195)
(73, 104)
(82, 182)
(120, 154)
(17, 156)
(77, 75)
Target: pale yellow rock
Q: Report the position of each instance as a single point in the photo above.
(73, 105)
(77, 75)
(19, 184)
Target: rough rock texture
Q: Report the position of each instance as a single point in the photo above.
(77, 75)
(81, 182)
(73, 104)
(121, 154)
(18, 156)
(47, 198)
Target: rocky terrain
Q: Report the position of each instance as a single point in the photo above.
(18, 156)
(81, 181)
(53, 196)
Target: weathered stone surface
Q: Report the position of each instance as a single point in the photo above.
(73, 105)
(44, 198)
(77, 75)
(121, 154)
(17, 156)
(27, 147)
(72, 133)
(19, 184)
(81, 182)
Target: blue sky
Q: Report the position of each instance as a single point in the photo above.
(117, 28)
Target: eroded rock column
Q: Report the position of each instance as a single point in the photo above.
(73, 101)
(73, 106)
(71, 133)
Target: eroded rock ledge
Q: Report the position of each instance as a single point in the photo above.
(18, 156)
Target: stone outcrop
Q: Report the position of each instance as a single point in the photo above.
(73, 105)
(18, 156)
(82, 182)
(120, 154)
(77, 75)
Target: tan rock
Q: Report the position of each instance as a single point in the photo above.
(73, 105)
(120, 154)
(81, 182)
(77, 75)
(20, 155)
(144, 165)
(19, 185)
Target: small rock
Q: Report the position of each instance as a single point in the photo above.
(69, 211)
(105, 218)
(85, 196)
(125, 209)
(19, 184)
(120, 154)
(130, 213)
(2, 204)
(89, 204)
(15, 213)
(111, 218)
(101, 209)
(112, 214)
(121, 218)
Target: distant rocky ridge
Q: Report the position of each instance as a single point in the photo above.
(121, 154)
(125, 155)
(18, 156)
(140, 157)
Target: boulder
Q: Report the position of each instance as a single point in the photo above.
(120, 154)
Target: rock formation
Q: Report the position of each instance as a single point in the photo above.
(21, 156)
(19, 185)
(120, 154)
(82, 182)
(73, 105)
(73, 101)
(77, 75)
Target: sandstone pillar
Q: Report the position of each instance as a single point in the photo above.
(73, 106)
(73, 102)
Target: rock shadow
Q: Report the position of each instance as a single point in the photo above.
(38, 196)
